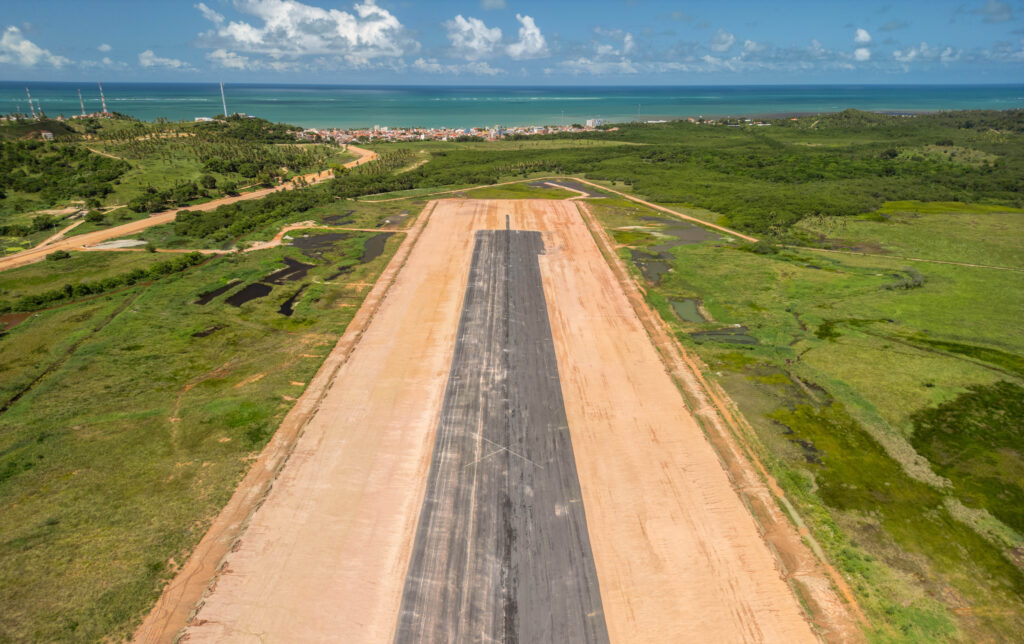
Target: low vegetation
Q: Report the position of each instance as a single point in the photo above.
(128, 417)
(885, 398)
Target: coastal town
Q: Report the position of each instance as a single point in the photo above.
(385, 133)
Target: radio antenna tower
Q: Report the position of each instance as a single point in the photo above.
(103, 100)
(223, 101)
(30, 106)
(80, 102)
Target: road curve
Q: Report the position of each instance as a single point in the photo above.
(40, 252)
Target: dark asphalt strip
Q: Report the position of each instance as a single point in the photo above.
(502, 551)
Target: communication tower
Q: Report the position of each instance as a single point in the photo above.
(30, 106)
(103, 100)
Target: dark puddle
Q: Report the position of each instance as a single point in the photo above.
(374, 247)
(249, 293)
(207, 297)
(572, 185)
(687, 310)
(339, 220)
(811, 453)
(682, 233)
(315, 246)
(210, 331)
(293, 270)
(341, 271)
(393, 221)
(728, 335)
(651, 265)
(289, 305)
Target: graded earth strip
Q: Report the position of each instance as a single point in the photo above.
(502, 551)
(678, 556)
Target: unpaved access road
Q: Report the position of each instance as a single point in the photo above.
(40, 252)
(329, 555)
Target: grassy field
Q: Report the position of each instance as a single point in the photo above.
(139, 411)
(859, 391)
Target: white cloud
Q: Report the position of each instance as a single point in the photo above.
(229, 59)
(606, 50)
(628, 44)
(150, 59)
(531, 43)
(722, 40)
(492, 4)
(210, 14)
(471, 38)
(291, 29)
(588, 66)
(950, 55)
(751, 47)
(926, 53)
(861, 54)
(862, 37)
(15, 49)
(104, 47)
(477, 68)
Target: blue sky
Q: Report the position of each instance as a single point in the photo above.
(522, 42)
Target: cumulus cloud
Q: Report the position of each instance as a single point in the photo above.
(926, 53)
(15, 49)
(531, 43)
(591, 67)
(229, 59)
(628, 44)
(288, 28)
(476, 68)
(104, 47)
(605, 49)
(722, 40)
(149, 59)
(994, 12)
(471, 38)
(862, 37)
(861, 54)
(210, 14)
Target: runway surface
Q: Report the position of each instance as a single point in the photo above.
(502, 551)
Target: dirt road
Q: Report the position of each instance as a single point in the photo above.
(327, 556)
(40, 252)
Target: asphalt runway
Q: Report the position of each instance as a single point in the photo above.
(501, 551)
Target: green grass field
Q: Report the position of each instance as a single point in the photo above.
(839, 377)
(137, 414)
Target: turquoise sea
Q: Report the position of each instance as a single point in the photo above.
(363, 106)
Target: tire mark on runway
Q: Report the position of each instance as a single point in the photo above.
(501, 550)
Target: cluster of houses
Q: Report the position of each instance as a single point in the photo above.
(379, 133)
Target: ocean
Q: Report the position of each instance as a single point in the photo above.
(349, 106)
